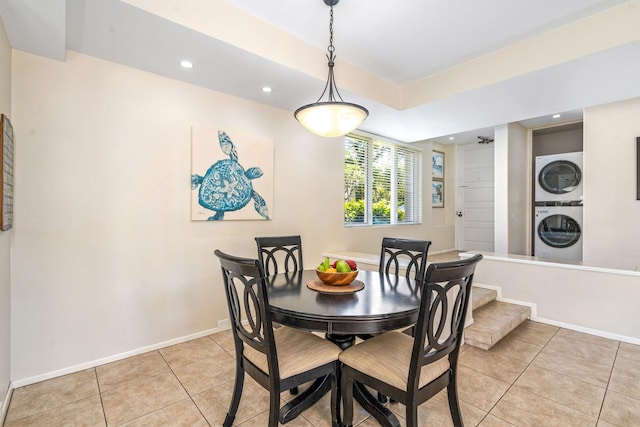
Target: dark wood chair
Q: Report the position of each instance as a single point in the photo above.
(280, 254)
(420, 366)
(404, 254)
(278, 359)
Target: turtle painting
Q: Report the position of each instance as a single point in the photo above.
(226, 186)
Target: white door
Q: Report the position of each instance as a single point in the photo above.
(474, 197)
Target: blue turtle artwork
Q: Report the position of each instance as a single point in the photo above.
(226, 186)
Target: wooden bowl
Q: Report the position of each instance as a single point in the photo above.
(337, 279)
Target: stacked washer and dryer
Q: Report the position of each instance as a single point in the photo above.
(558, 207)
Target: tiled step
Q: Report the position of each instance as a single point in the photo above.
(493, 321)
(482, 296)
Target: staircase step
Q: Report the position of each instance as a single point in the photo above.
(494, 321)
(482, 296)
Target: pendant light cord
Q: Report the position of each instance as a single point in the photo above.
(331, 84)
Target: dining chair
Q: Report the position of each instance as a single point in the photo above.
(278, 359)
(404, 254)
(280, 253)
(420, 366)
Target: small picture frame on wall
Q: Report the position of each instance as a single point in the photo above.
(6, 174)
(437, 194)
(437, 166)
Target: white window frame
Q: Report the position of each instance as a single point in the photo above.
(415, 185)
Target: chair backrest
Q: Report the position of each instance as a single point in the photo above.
(443, 307)
(404, 254)
(250, 317)
(280, 253)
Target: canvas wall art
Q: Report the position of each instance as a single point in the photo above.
(231, 176)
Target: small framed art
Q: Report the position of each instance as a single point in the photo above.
(437, 194)
(437, 165)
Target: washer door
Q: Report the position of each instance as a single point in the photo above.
(559, 231)
(560, 177)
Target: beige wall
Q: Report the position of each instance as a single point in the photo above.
(596, 301)
(611, 211)
(106, 260)
(5, 236)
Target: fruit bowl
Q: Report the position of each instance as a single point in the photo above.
(337, 279)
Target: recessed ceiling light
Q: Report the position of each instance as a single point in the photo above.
(556, 116)
(267, 89)
(451, 138)
(186, 64)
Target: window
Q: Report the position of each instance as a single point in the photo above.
(382, 182)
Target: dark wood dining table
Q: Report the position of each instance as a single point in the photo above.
(385, 303)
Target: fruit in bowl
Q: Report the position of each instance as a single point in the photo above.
(339, 273)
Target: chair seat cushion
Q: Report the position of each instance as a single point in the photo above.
(387, 357)
(298, 351)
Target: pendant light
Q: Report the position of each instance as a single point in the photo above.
(332, 117)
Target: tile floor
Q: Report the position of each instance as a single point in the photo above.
(539, 375)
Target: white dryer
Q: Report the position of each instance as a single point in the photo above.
(559, 177)
(558, 232)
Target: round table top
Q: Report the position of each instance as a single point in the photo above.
(385, 303)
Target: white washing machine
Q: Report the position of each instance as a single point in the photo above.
(559, 177)
(558, 232)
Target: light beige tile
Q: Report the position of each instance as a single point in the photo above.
(190, 351)
(142, 397)
(214, 402)
(516, 349)
(495, 365)
(478, 389)
(206, 373)
(576, 367)
(53, 393)
(620, 410)
(576, 394)
(582, 349)
(625, 378)
(525, 409)
(493, 421)
(84, 412)
(132, 369)
(181, 414)
(605, 424)
(435, 412)
(534, 333)
(225, 340)
(629, 351)
(262, 419)
(588, 338)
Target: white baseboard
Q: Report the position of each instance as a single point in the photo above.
(92, 364)
(4, 405)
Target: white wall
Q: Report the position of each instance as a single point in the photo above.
(5, 236)
(611, 211)
(105, 259)
(597, 301)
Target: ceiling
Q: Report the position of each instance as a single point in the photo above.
(425, 69)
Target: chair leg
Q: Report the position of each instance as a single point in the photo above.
(346, 386)
(454, 405)
(235, 398)
(412, 414)
(274, 407)
(336, 420)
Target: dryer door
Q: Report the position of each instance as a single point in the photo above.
(560, 177)
(559, 231)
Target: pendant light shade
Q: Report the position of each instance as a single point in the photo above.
(332, 117)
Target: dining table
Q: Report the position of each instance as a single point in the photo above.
(372, 304)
